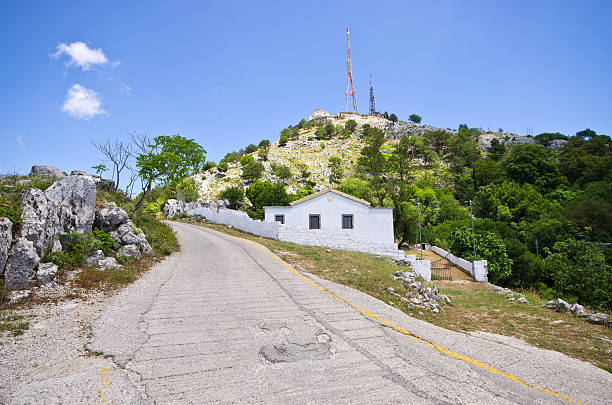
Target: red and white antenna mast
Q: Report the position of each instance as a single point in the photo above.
(350, 87)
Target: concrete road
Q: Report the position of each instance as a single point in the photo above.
(226, 321)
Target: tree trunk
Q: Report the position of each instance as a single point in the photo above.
(144, 195)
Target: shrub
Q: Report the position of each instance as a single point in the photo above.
(252, 171)
(488, 247)
(577, 271)
(208, 166)
(187, 190)
(222, 167)
(246, 159)
(234, 195)
(157, 205)
(159, 235)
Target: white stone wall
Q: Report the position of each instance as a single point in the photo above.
(478, 271)
(374, 225)
(239, 220)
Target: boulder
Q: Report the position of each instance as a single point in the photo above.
(523, 300)
(77, 198)
(20, 265)
(131, 252)
(50, 171)
(40, 223)
(6, 238)
(94, 258)
(109, 217)
(558, 305)
(108, 263)
(46, 272)
(598, 319)
(172, 208)
(127, 234)
(78, 173)
(105, 184)
(578, 310)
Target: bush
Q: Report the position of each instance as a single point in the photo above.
(252, 171)
(577, 271)
(208, 166)
(187, 189)
(76, 247)
(234, 195)
(222, 167)
(488, 247)
(159, 235)
(246, 159)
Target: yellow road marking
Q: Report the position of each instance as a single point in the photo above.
(393, 326)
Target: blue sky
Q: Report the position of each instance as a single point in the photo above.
(232, 75)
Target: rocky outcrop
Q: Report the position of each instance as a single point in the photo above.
(40, 222)
(109, 263)
(131, 252)
(21, 263)
(558, 305)
(93, 259)
(46, 272)
(173, 207)
(77, 198)
(6, 238)
(109, 217)
(49, 171)
(577, 310)
(116, 222)
(418, 296)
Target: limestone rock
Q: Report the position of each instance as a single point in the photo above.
(40, 222)
(20, 265)
(78, 173)
(558, 305)
(50, 171)
(110, 217)
(598, 319)
(6, 238)
(15, 296)
(172, 208)
(578, 310)
(132, 252)
(523, 300)
(77, 198)
(94, 258)
(127, 234)
(109, 263)
(46, 272)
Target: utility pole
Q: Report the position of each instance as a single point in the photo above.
(473, 237)
(372, 100)
(350, 87)
(420, 241)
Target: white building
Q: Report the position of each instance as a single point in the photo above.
(335, 219)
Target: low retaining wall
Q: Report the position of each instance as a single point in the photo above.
(477, 269)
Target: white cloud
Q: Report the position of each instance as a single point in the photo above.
(82, 55)
(20, 141)
(82, 103)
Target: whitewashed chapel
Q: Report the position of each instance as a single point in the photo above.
(335, 219)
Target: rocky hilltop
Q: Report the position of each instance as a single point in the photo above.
(305, 153)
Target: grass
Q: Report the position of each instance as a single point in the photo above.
(474, 306)
(13, 324)
(108, 280)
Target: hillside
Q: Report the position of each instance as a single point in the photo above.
(305, 153)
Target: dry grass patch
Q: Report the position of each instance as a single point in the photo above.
(474, 306)
(90, 278)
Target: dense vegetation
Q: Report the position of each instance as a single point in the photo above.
(541, 215)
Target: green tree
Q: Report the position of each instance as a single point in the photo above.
(234, 195)
(401, 158)
(532, 164)
(208, 166)
(187, 189)
(438, 139)
(167, 160)
(357, 188)
(350, 126)
(510, 201)
(326, 132)
(266, 194)
(414, 118)
(586, 133)
(101, 168)
(281, 171)
(252, 171)
(283, 140)
(496, 150)
(222, 167)
(486, 171)
(264, 144)
(547, 137)
(371, 164)
(489, 247)
(393, 118)
(336, 171)
(463, 149)
(578, 272)
(250, 148)
(246, 159)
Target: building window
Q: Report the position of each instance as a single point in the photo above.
(347, 221)
(279, 218)
(314, 221)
